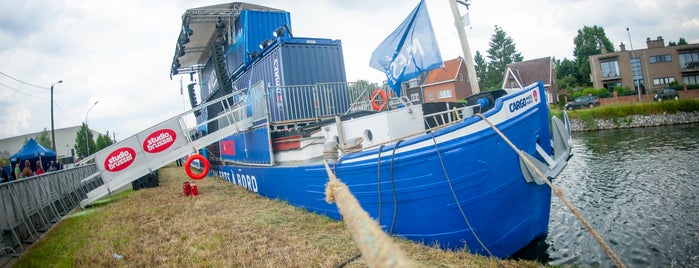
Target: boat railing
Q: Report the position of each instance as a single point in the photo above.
(448, 117)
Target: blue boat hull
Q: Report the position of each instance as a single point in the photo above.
(451, 187)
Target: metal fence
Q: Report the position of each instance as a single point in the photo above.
(28, 207)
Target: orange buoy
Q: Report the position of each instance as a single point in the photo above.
(188, 166)
(375, 100)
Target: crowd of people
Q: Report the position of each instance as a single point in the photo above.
(21, 173)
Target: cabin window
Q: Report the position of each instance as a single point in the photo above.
(443, 94)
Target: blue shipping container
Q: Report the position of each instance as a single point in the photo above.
(291, 69)
(252, 28)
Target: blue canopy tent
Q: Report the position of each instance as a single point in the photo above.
(33, 151)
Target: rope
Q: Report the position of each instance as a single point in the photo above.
(458, 203)
(559, 193)
(393, 189)
(376, 246)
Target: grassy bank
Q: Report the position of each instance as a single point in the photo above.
(623, 110)
(224, 226)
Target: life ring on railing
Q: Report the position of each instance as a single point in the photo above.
(374, 100)
(188, 166)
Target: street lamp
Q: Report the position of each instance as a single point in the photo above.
(53, 133)
(87, 130)
(633, 70)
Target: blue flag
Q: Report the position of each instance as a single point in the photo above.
(409, 50)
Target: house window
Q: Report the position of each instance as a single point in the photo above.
(689, 60)
(660, 58)
(443, 94)
(415, 97)
(412, 83)
(663, 80)
(431, 95)
(461, 77)
(512, 83)
(609, 69)
(691, 80)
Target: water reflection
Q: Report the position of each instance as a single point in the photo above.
(638, 188)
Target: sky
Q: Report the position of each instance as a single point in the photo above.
(118, 52)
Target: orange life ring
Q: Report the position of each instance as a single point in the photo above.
(374, 100)
(188, 167)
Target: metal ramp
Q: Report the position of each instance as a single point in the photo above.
(128, 160)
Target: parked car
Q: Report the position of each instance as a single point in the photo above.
(582, 102)
(667, 94)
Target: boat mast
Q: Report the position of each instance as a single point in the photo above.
(468, 58)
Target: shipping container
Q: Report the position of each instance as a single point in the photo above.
(251, 29)
(304, 78)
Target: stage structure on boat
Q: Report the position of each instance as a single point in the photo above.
(276, 107)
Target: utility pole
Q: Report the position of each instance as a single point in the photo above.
(468, 57)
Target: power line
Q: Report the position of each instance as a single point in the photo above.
(18, 80)
(19, 91)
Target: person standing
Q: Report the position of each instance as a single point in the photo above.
(39, 168)
(18, 172)
(27, 171)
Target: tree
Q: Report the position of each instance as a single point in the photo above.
(567, 73)
(83, 142)
(502, 52)
(481, 67)
(588, 42)
(103, 141)
(44, 140)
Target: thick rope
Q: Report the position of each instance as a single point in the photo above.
(559, 192)
(377, 247)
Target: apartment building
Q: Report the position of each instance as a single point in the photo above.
(650, 69)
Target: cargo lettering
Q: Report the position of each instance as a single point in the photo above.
(521, 103)
(248, 182)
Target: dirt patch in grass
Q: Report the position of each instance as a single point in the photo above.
(224, 226)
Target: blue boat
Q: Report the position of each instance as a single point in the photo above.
(437, 173)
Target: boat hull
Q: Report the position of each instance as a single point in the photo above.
(451, 187)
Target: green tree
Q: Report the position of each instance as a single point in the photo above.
(502, 52)
(103, 141)
(481, 67)
(83, 141)
(588, 42)
(44, 139)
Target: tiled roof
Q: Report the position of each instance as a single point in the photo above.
(531, 71)
(446, 73)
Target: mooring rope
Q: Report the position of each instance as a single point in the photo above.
(559, 193)
(458, 203)
(377, 247)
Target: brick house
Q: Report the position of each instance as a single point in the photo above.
(449, 83)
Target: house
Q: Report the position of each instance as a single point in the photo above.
(449, 83)
(652, 69)
(521, 74)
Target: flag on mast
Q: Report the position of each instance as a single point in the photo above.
(408, 51)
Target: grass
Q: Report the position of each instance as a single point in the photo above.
(624, 110)
(224, 226)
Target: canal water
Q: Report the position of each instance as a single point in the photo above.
(639, 188)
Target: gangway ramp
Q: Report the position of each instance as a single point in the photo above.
(128, 160)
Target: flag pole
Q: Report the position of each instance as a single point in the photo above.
(468, 58)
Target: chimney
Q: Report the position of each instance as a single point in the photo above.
(659, 42)
(622, 47)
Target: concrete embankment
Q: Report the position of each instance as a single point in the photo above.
(635, 121)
